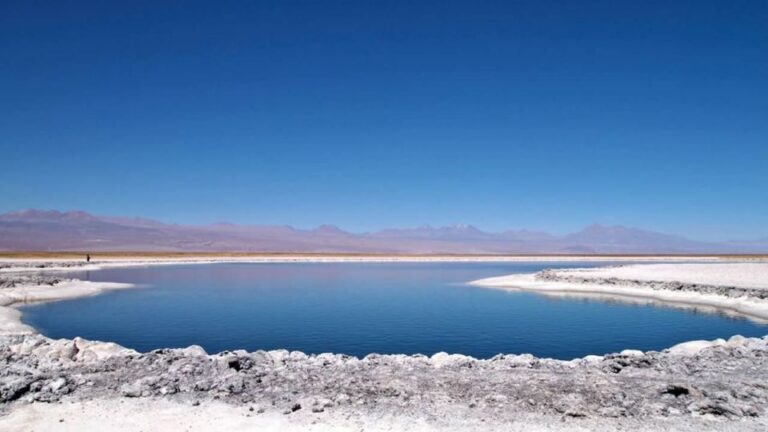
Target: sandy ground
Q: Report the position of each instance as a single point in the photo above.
(699, 385)
(130, 415)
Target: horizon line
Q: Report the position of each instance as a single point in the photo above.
(461, 225)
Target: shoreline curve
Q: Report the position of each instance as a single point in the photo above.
(11, 323)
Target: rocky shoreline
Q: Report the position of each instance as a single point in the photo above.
(724, 379)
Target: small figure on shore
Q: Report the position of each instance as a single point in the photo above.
(88, 258)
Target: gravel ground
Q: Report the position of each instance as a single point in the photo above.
(727, 381)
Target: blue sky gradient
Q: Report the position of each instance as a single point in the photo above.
(526, 114)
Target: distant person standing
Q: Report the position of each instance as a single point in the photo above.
(88, 258)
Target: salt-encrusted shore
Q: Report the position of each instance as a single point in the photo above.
(735, 287)
(77, 385)
(17, 265)
(22, 287)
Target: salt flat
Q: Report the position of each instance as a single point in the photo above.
(735, 287)
(735, 274)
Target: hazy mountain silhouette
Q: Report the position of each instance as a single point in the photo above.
(41, 230)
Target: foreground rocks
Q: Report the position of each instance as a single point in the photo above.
(725, 380)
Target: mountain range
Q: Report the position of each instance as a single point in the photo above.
(51, 230)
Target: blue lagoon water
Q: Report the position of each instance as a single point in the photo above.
(362, 308)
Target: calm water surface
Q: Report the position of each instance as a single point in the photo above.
(362, 308)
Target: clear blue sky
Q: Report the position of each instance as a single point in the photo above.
(511, 114)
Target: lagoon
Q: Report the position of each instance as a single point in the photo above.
(363, 308)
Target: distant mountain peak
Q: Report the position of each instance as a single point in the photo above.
(328, 229)
(223, 224)
(79, 215)
(457, 231)
(33, 213)
(78, 230)
(465, 227)
(38, 214)
(617, 229)
(598, 227)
